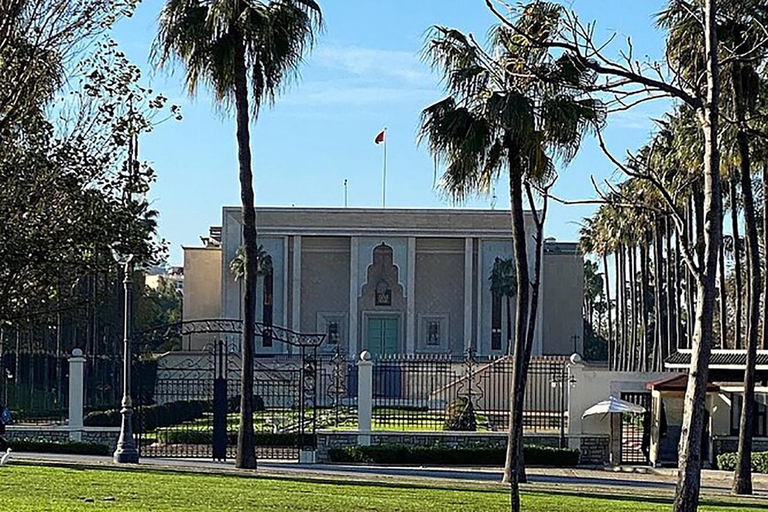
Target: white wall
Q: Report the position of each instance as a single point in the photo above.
(594, 384)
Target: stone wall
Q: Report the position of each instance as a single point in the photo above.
(57, 434)
(594, 450)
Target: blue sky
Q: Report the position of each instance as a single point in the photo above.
(364, 74)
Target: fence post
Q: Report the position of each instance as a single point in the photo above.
(76, 386)
(364, 398)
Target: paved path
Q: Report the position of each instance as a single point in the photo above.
(641, 480)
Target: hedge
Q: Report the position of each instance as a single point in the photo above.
(206, 437)
(71, 447)
(152, 416)
(727, 461)
(482, 455)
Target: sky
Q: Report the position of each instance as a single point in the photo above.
(363, 74)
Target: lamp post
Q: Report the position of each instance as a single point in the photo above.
(126, 451)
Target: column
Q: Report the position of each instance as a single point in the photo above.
(479, 347)
(364, 398)
(76, 386)
(296, 285)
(285, 282)
(353, 330)
(468, 293)
(410, 299)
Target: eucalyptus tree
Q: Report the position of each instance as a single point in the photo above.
(701, 93)
(499, 117)
(245, 51)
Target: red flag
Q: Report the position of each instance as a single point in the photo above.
(380, 137)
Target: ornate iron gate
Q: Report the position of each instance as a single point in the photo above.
(188, 403)
(636, 430)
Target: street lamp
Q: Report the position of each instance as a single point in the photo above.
(126, 451)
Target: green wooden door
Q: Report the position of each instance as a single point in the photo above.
(383, 336)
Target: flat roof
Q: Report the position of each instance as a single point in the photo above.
(381, 221)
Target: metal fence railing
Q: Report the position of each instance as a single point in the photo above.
(444, 392)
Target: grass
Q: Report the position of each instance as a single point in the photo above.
(29, 488)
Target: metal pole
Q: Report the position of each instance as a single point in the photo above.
(126, 451)
(346, 197)
(384, 179)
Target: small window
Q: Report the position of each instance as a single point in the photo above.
(333, 333)
(433, 333)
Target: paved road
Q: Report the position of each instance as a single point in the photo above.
(639, 479)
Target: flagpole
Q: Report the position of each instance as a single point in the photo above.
(384, 179)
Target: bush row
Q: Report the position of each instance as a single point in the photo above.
(206, 437)
(727, 462)
(152, 416)
(70, 447)
(481, 455)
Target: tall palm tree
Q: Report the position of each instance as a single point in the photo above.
(245, 51)
(497, 119)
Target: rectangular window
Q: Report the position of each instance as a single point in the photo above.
(496, 322)
(760, 414)
(433, 333)
(333, 332)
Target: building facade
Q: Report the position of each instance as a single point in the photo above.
(394, 281)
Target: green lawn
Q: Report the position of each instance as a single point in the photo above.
(27, 488)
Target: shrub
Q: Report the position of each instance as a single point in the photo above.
(460, 415)
(151, 416)
(233, 404)
(190, 436)
(442, 454)
(31, 445)
(727, 461)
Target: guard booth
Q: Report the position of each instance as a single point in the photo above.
(667, 403)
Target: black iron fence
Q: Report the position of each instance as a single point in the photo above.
(444, 392)
(34, 369)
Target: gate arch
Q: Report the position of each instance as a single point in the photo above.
(187, 402)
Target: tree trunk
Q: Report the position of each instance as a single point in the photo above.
(765, 256)
(677, 291)
(742, 477)
(671, 302)
(660, 331)
(511, 468)
(607, 281)
(723, 299)
(644, 316)
(246, 449)
(619, 339)
(689, 285)
(633, 354)
(737, 300)
(689, 474)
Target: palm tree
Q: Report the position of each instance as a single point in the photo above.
(503, 278)
(263, 266)
(245, 51)
(496, 119)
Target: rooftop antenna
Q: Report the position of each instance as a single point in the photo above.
(346, 197)
(494, 199)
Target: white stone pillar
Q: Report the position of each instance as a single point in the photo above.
(467, 293)
(576, 386)
(364, 398)
(352, 347)
(410, 299)
(76, 395)
(296, 285)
